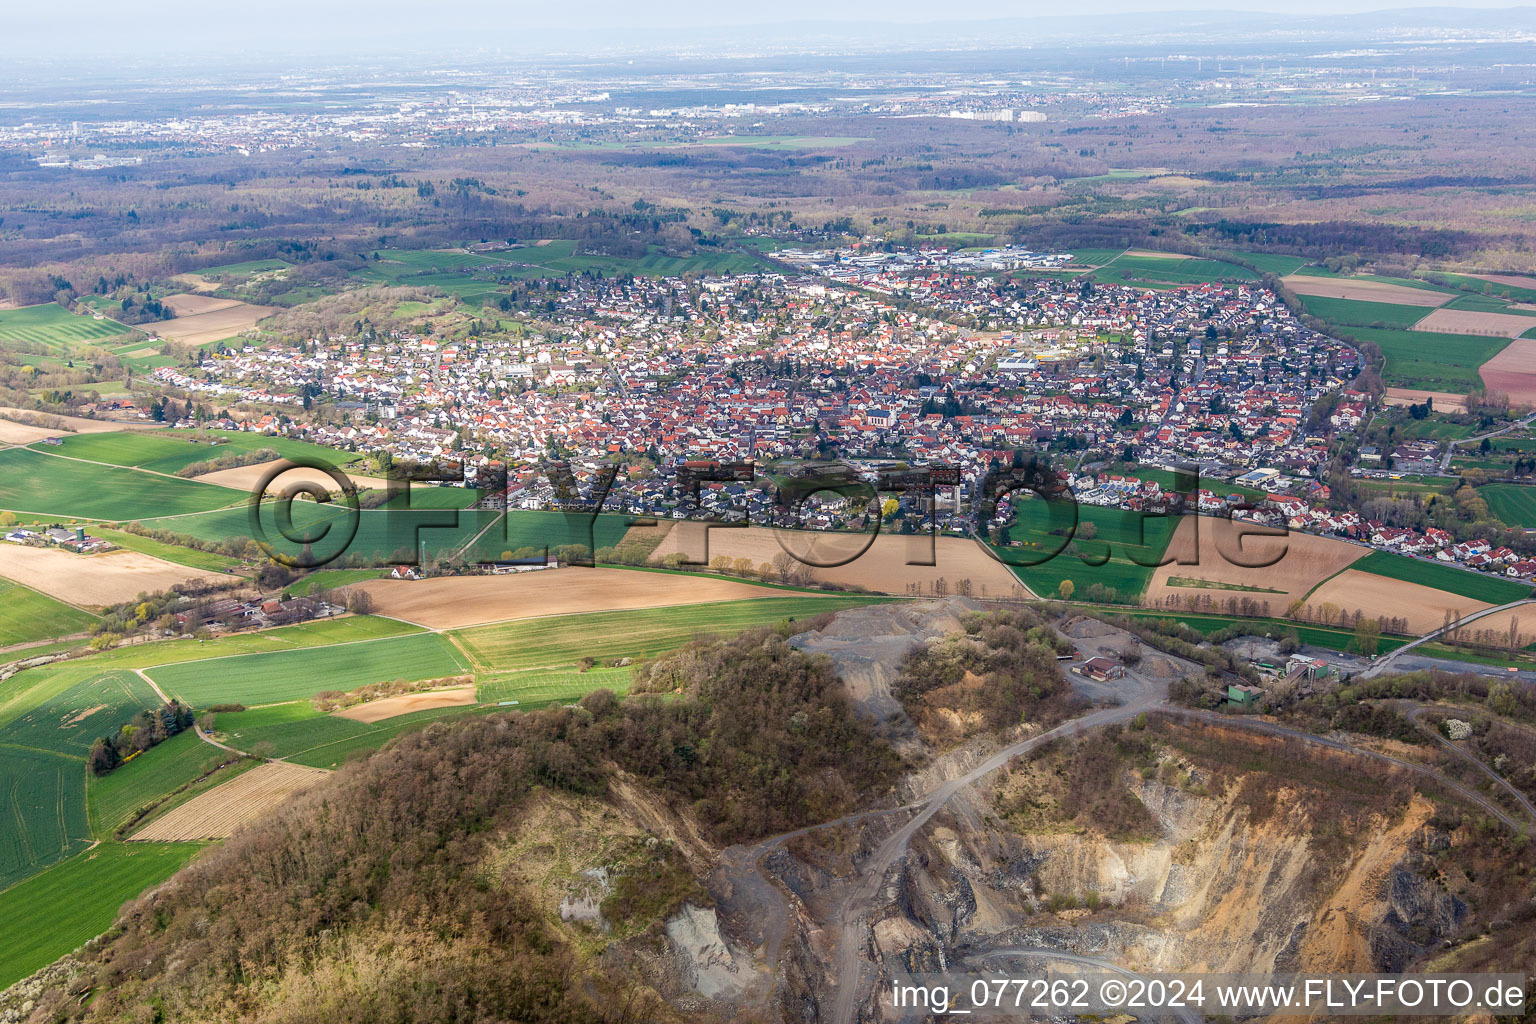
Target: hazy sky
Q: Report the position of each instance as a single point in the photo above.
(171, 27)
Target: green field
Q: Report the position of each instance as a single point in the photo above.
(43, 745)
(1118, 535)
(164, 452)
(242, 269)
(1141, 270)
(564, 639)
(289, 675)
(533, 688)
(71, 903)
(118, 796)
(1478, 586)
(1273, 263)
(1486, 304)
(297, 732)
(1511, 504)
(1514, 293)
(1355, 313)
(37, 483)
(190, 557)
(387, 535)
(1430, 360)
(26, 615)
(55, 328)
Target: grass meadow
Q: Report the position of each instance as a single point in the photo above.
(60, 909)
(26, 616)
(38, 483)
(289, 675)
(55, 328)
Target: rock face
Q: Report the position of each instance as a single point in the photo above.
(867, 645)
(708, 966)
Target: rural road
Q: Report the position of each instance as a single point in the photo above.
(1273, 729)
(1415, 715)
(1450, 448)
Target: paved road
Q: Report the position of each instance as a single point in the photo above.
(1386, 659)
(1451, 446)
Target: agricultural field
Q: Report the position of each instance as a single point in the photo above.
(192, 558)
(208, 320)
(1117, 534)
(27, 616)
(1317, 636)
(44, 484)
(55, 328)
(1273, 263)
(1513, 371)
(1354, 313)
(391, 535)
(563, 640)
(1475, 585)
(245, 269)
(117, 797)
(42, 802)
(42, 764)
(1135, 269)
(92, 580)
(297, 732)
(60, 909)
(375, 711)
(1315, 281)
(890, 564)
(530, 689)
(459, 601)
(1424, 607)
(288, 675)
(168, 452)
(1511, 504)
(1299, 563)
(243, 800)
(1432, 361)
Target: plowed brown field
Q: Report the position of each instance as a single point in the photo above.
(451, 602)
(245, 799)
(1301, 561)
(405, 703)
(883, 568)
(1364, 291)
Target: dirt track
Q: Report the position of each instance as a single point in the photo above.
(882, 568)
(92, 580)
(451, 602)
(405, 703)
